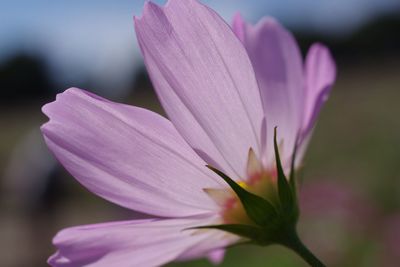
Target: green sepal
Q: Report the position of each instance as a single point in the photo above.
(259, 210)
(255, 234)
(292, 182)
(285, 192)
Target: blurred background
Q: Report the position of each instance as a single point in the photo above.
(350, 186)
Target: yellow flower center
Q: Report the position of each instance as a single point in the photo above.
(261, 184)
(259, 181)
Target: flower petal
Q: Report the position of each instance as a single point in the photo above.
(127, 155)
(204, 79)
(277, 63)
(216, 256)
(132, 243)
(320, 71)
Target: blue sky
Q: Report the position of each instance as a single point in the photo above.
(94, 39)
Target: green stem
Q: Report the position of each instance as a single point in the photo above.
(294, 243)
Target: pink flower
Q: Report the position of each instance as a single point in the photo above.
(223, 95)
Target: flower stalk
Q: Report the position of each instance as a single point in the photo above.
(293, 242)
(273, 222)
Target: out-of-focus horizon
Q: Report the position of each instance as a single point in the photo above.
(94, 41)
(350, 190)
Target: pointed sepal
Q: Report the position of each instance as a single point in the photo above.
(292, 181)
(258, 209)
(285, 191)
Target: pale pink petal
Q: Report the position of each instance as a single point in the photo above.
(131, 243)
(217, 256)
(127, 155)
(212, 245)
(204, 79)
(320, 71)
(277, 63)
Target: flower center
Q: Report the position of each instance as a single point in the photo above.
(262, 184)
(259, 181)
